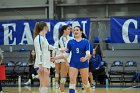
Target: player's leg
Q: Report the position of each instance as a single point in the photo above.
(84, 74)
(63, 73)
(73, 72)
(32, 71)
(46, 80)
(30, 80)
(40, 75)
(57, 73)
(1, 88)
(92, 82)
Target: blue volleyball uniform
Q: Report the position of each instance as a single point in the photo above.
(78, 50)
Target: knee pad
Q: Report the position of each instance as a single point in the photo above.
(63, 80)
(56, 75)
(86, 85)
(72, 86)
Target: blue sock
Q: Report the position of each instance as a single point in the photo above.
(71, 90)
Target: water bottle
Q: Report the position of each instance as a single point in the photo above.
(113, 48)
(106, 83)
(19, 81)
(53, 81)
(11, 48)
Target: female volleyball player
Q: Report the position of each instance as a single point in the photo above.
(62, 65)
(42, 61)
(80, 49)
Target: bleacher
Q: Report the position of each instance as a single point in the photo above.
(16, 61)
(17, 53)
(111, 52)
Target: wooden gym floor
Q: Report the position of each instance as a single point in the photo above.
(53, 90)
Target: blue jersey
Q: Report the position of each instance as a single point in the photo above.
(78, 50)
(96, 61)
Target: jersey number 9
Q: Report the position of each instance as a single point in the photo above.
(77, 50)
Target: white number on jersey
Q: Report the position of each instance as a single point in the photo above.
(77, 50)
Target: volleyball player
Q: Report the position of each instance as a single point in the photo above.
(80, 49)
(42, 61)
(62, 65)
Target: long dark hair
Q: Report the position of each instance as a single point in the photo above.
(83, 35)
(64, 27)
(31, 57)
(39, 27)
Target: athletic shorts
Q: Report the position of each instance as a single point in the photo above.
(59, 61)
(46, 64)
(79, 65)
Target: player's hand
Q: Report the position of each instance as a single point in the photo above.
(83, 59)
(52, 59)
(62, 50)
(40, 67)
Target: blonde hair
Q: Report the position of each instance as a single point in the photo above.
(39, 27)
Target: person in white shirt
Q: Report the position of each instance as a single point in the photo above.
(62, 65)
(42, 60)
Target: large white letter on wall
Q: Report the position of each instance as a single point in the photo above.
(8, 34)
(27, 35)
(125, 28)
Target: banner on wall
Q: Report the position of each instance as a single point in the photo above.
(125, 30)
(21, 31)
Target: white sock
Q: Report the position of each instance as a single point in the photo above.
(44, 90)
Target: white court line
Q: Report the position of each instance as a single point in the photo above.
(130, 87)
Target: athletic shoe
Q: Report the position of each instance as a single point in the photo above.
(92, 86)
(1, 92)
(44, 89)
(35, 76)
(82, 87)
(56, 85)
(28, 82)
(28, 87)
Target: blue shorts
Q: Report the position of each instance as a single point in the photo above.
(79, 65)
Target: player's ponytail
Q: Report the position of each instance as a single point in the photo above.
(39, 27)
(84, 35)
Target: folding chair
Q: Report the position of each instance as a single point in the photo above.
(10, 65)
(116, 72)
(130, 69)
